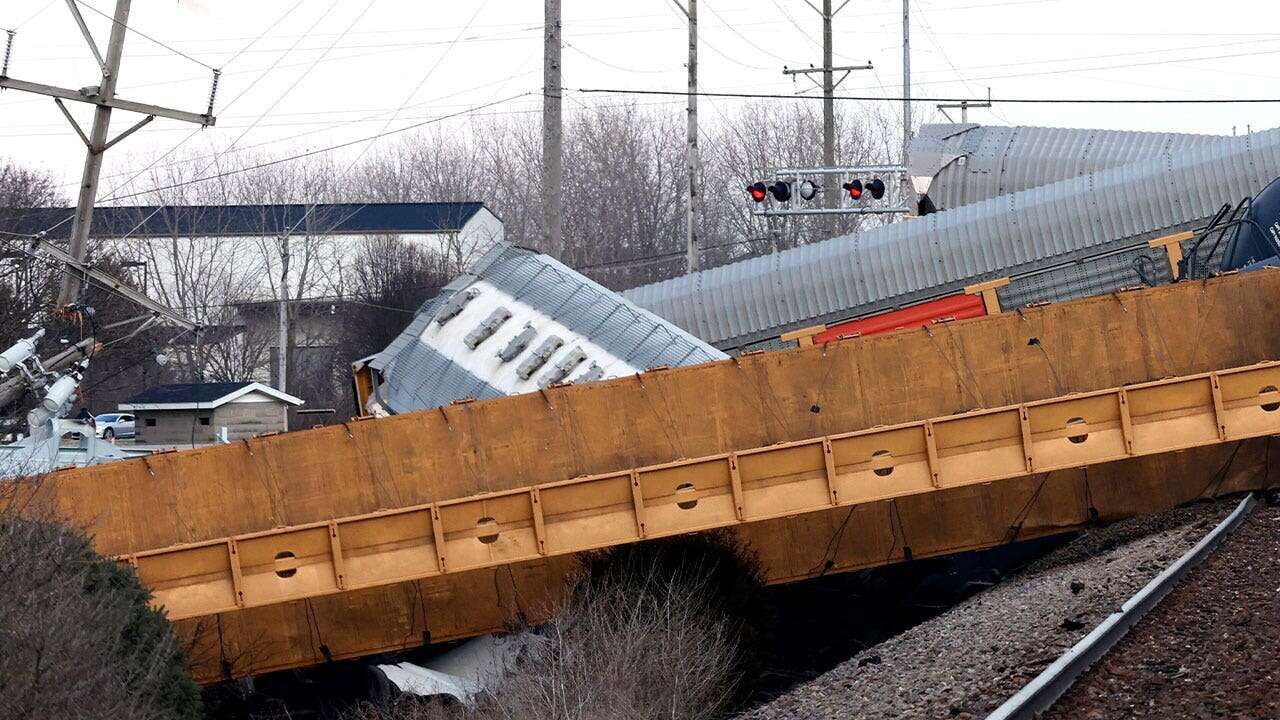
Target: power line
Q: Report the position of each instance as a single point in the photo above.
(332, 125)
(928, 28)
(423, 81)
(608, 64)
(35, 14)
(264, 113)
(874, 98)
(184, 140)
(195, 132)
(318, 151)
(135, 31)
(745, 39)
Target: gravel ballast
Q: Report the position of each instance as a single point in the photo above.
(1211, 649)
(967, 661)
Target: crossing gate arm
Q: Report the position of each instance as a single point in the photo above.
(716, 491)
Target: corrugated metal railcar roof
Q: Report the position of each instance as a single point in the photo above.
(431, 364)
(1037, 229)
(971, 163)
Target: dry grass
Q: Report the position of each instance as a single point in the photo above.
(660, 631)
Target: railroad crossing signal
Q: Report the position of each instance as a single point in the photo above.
(863, 181)
(780, 190)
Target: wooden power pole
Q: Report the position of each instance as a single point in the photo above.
(103, 96)
(552, 134)
(693, 162)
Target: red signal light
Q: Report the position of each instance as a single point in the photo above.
(876, 188)
(854, 189)
(758, 191)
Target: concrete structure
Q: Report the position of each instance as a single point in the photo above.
(203, 413)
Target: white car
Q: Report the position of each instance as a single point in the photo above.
(114, 425)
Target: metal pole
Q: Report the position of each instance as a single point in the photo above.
(282, 340)
(552, 138)
(70, 292)
(830, 194)
(906, 93)
(693, 161)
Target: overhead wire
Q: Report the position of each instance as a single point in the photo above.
(34, 15)
(947, 58)
(262, 115)
(678, 11)
(408, 98)
(608, 64)
(802, 31)
(329, 125)
(197, 131)
(138, 32)
(329, 148)
(735, 31)
(193, 133)
(873, 98)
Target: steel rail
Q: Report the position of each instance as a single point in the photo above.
(1041, 693)
(716, 491)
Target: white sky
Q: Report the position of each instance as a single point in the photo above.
(464, 54)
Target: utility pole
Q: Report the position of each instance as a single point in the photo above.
(103, 96)
(906, 93)
(552, 134)
(830, 189)
(964, 106)
(693, 163)
(829, 196)
(282, 339)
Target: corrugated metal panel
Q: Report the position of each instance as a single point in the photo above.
(746, 302)
(971, 163)
(430, 365)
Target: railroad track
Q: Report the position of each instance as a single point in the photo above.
(1039, 695)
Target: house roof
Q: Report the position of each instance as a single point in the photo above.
(1075, 237)
(200, 396)
(248, 220)
(515, 302)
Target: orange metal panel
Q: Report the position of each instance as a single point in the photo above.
(600, 430)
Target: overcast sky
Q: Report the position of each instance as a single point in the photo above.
(342, 68)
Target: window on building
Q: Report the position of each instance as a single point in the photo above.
(205, 420)
(151, 422)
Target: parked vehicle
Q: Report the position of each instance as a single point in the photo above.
(114, 425)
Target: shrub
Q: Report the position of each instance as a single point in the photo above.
(664, 629)
(78, 638)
